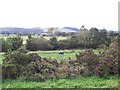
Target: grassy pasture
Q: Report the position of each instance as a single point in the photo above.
(55, 54)
(81, 82)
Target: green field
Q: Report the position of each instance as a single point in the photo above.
(81, 82)
(55, 54)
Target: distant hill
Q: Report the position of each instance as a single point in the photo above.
(37, 30)
(13, 30)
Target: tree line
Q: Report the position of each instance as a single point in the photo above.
(93, 39)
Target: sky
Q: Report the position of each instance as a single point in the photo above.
(59, 13)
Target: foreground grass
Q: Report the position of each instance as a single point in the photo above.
(81, 82)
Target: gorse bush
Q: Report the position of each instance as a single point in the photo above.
(107, 65)
(31, 66)
(101, 65)
(40, 70)
(17, 57)
(108, 60)
(9, 71)
(89, 60)
(13, 62)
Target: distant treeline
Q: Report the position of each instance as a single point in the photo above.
(93, 38)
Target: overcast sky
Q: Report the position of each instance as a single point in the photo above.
(59, 13)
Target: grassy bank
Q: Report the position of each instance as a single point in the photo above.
(81, 82)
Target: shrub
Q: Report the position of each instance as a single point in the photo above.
(40, 70)
(16, 42)
(11, 43)
(63, 44)
(88, 60)
(108, 64)
(17, 57)
(9, 71)
(108, 60)
(6, 44)
(34, 44)
(53, 41)
(31, 66)
(14, 62)
(74, 42)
